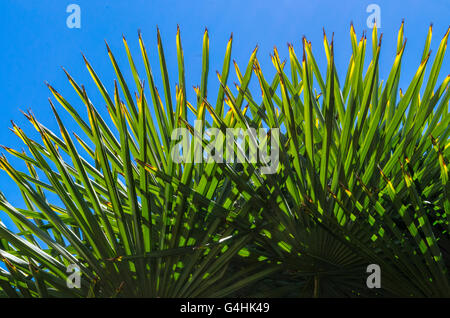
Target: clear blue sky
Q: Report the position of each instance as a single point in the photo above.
(36, 42)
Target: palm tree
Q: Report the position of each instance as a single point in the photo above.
(362, 179)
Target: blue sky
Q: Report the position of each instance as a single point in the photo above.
(37, 42)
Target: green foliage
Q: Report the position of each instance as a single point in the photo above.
(362, 179)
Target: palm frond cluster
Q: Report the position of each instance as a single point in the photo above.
(362, 179)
